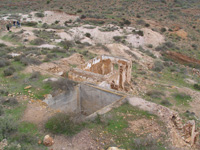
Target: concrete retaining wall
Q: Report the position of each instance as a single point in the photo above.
(86, 99)
(93, 99)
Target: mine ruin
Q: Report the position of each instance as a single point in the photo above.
(105, 71)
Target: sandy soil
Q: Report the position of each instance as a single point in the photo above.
(37, 112)
(143, 127)
(81, 141)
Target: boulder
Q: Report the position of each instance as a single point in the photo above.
(48, 141)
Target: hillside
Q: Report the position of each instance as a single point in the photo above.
(107, 75)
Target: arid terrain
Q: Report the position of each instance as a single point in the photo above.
(100, 75)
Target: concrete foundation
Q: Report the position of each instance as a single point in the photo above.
(86, 99)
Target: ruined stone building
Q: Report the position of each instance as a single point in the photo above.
(106, 71)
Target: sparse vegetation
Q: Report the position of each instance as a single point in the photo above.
(182, 98)
(158, 78)
(158, 66)
(9, 71)
(40, 15)
(62, 124)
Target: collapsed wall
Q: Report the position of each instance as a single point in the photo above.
(106, 71)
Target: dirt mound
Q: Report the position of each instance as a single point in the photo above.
(182, 58)
(75, 59)
(152, 37)
(181, 33)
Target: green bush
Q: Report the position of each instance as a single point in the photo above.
(196, 86)
(82, 16)
(9, 71)
(158, 66)
(155, 94)
(25, 138)
(182, 98)
(165, 103)
(10, 101)
(2, 45)
(140, 33)
(163, 30)
(37, 41)
(30, 61)
(40, 15)
(7, 126)
(30, 24)
(117, 38)
(61, 123)
(88, 35)
(150, 46)
(140, 22)
(1, 110)
(66, 44)
(35, 75)
(146, 143)
(4, 62)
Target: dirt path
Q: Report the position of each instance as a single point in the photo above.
(9, 44)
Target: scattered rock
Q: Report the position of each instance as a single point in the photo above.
(14, 54)
(39, 142)
(48, 141)
(27, 87)
(114, 148)
(50, 79)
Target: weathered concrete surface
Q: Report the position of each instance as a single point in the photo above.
(92, 99)
(85, 99)
(65, 102)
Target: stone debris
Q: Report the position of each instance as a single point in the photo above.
(48, 141)
(14, 54)
(190, 133)
(3, 144)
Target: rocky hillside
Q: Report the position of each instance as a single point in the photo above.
(159, 37)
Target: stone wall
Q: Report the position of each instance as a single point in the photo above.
(102, 68)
